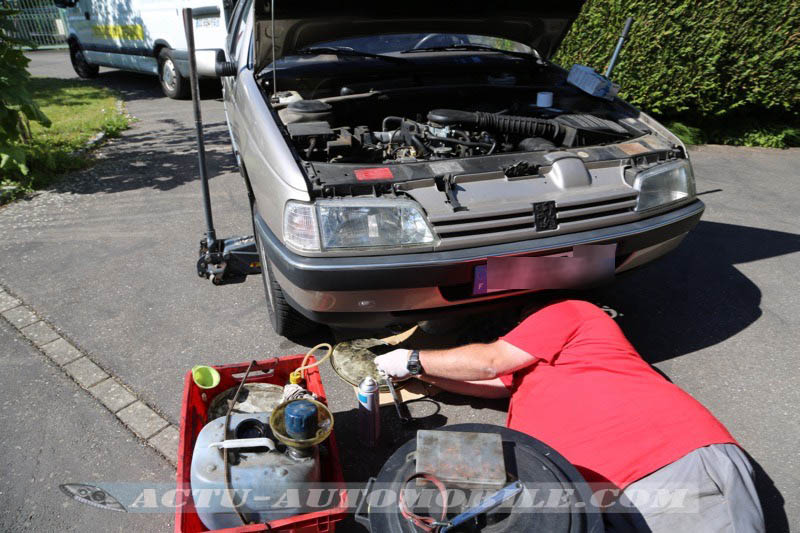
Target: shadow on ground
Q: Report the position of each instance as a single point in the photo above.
(772, 502)
(695, 297)
(161, 157)
(135, 86)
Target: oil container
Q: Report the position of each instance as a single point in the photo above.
(260, 475)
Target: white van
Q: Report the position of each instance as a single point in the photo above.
(142, 36)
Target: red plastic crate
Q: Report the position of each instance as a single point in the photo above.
(193, 417)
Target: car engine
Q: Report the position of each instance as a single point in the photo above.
(320, 131)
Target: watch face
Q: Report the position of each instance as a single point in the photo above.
(414, 365)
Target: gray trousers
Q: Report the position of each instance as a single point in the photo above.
(708, 490)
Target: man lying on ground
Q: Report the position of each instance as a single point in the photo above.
(577, 384)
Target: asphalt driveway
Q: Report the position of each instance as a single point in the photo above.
(108, 256)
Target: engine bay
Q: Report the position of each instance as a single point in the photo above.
(406, 126)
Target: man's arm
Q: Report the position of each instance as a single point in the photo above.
(474, 362)
(490, 388)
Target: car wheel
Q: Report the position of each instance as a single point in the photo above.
(82, 67)
(173, 84)
(285, 319)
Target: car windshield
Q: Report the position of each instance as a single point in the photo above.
(385, 44)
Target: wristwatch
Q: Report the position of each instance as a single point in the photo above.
(414, 366)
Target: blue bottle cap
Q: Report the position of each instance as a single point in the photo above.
(300, 418)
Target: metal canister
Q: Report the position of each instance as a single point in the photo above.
(369, 415)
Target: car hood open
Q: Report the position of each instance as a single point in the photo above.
(298, 24)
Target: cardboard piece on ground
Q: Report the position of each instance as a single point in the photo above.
(417, 338)
(394, 340)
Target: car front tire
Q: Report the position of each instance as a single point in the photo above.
(82, 67)
(285, 319)
(173, 84)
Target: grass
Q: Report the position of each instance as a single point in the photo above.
(752, 129)
(78, 111)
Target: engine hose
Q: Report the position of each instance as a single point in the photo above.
(530, 127)
(411, 137)
(516, 125)
(419, 145)
(385, 123)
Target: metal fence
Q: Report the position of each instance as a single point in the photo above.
(39, 22)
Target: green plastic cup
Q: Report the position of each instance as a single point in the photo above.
(205, 377)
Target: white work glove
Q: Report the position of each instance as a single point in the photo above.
(394, 364)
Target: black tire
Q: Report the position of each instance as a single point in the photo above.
(285, 319)
(82, 67)
(172, 83)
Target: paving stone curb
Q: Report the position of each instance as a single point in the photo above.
(107, 389)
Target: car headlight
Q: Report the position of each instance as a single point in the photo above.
(356, 224)
(664, 184)
(373, 223)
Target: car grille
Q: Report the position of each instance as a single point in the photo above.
(464, 229)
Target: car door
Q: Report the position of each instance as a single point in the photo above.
(238, 51)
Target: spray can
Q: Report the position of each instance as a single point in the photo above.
(369, 415)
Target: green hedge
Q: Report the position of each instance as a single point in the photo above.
(696, 58)
(17, 108)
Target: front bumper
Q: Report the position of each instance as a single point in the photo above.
(381, 290)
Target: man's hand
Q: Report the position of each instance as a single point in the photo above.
(394, 363)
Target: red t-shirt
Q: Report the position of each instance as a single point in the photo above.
(589, 395)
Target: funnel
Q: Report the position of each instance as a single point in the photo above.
(324, 425)
(205, 377)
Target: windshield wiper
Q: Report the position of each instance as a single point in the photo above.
(473, 47)
(348, 52)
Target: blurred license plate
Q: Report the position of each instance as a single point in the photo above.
(583, 266)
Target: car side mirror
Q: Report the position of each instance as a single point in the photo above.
(212, 64)
(63, 4)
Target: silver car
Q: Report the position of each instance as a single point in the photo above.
(400, 157)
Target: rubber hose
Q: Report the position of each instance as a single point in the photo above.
(517, 125)
(390, 118)
(304, 366)
(533, 127)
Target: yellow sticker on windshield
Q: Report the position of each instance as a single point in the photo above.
(132, 32)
